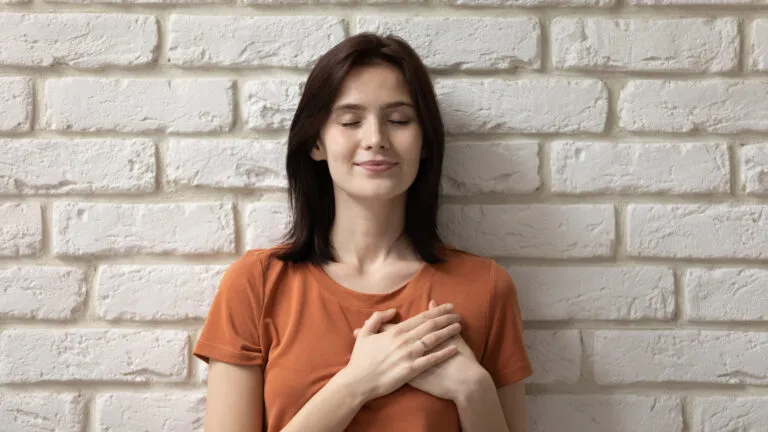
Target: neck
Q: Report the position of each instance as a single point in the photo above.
(366, 233)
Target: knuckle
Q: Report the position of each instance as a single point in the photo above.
(400, 343)
(414, 352)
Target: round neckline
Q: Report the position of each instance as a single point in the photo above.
(363, 300)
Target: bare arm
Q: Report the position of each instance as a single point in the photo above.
(235, 398)
(235, 402)
(331, 409)
(512, 398)
(480, 408)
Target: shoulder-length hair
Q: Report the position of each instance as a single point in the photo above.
(309, 181)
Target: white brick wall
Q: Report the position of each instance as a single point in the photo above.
(36, 411)
(16, 99)
(77, 40)
(177, 411)
(689, 45)
(717, 413)
(613, 156)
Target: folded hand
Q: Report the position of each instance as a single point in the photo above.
(447, 379)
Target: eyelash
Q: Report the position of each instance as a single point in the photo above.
(399, 123)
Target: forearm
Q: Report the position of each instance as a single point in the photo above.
(480, 409)
(331, 409)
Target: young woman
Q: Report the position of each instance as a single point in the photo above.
(364, 320)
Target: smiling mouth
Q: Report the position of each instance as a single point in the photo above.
(377, 166)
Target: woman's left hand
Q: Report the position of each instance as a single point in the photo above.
(450, 378)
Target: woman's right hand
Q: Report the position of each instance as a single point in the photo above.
(382, 362)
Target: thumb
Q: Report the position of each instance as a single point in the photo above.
(373, 323)
(432, 304)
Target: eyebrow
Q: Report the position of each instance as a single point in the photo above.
(358, 107)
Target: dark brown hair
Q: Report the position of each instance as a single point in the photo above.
(309, 181)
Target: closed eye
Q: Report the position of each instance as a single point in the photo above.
(399, 123)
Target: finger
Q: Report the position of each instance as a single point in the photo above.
(439, 337)
(384, 327)
(421, 318)
(432, 304)
(373, 323)
(432, 325)
(425, 362)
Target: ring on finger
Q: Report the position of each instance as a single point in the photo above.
(424, 344)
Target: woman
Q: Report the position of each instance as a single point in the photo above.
(364, 320)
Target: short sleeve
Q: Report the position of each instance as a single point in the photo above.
(505, 356)
(231, 330)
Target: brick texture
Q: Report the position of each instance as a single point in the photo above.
(611, 155)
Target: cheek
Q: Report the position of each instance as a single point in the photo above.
(339, 158)
(412, 147)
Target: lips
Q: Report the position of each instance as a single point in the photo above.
(379, 163)
(376, 166)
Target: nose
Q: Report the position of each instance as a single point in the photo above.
(375, 137)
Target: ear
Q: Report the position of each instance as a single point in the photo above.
(318, 151)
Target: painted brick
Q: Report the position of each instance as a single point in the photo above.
(726, 294)
(120, 229)
(452, 43)
(22, 229)
(555, 355)
(42, 412)
(281, 41)
(80, 40)
(83, 166)
(637, 168)
(157, 292)
(139, 105)
(718, 413)
(16, 99)
(497, 167)
(271, 103)
(684, 45)
(697, 231)
(754, 169)
(598, 413)
(94, 355)
(195, 163)
(537, 230)
(528, 105)
(713, 105)
(704, 356)
(160, 412)
(41, 292)
(595, 293)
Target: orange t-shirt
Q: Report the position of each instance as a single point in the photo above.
(297, 322)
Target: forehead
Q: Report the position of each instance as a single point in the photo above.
(373, 86)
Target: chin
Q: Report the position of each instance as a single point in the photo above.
(376, 192)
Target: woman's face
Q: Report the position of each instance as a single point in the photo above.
(372, 140)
